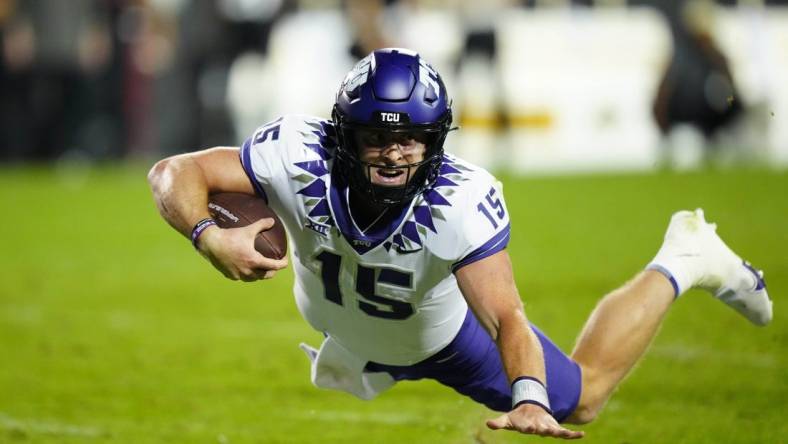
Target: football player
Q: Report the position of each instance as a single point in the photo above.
(399, 253)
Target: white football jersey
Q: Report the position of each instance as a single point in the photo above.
(390, 296)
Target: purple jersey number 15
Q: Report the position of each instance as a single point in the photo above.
(495, 205)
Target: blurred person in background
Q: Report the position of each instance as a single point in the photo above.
(197, 42)
(117, 78)
(367, 20)
(60, 79)
(697, 96)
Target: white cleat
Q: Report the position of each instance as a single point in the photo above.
(694, 256)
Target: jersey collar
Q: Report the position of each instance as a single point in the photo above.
(361, 242)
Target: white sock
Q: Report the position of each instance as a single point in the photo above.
(679, 270)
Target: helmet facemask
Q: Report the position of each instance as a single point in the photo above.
(419, 174)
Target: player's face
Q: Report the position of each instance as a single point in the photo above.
(389, 149)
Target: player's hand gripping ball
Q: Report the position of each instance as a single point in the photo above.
(233, 210)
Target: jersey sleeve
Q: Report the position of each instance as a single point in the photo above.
(484, 225)
(262, 156)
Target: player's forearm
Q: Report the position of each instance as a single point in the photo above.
(180, 191)
(488, 286)
(521, 351)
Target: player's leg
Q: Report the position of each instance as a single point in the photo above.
(623, 324)
(615, 336)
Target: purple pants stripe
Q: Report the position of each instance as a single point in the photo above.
(472, 366)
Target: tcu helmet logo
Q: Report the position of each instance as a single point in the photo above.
(358, 76)
(389, 117)
(428, 77)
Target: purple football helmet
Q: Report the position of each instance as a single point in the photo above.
(392, 90)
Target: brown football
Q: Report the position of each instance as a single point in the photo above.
(232, 210)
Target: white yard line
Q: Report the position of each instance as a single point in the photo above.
(48, 427)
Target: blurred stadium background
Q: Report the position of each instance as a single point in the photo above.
(538, 85)
(601, 117)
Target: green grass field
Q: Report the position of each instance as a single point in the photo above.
(112, 329)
